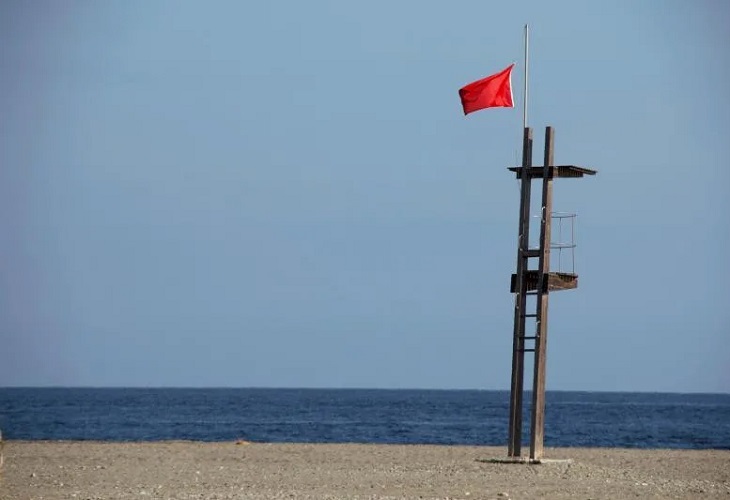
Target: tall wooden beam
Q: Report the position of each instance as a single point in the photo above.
(518, 339)
(537, 422)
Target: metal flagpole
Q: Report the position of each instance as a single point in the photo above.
(524, 95)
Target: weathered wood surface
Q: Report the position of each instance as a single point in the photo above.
(537, 421)
(555, 282)
(562, 171)
(514, 445)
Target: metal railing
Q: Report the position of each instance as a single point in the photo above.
(563, 240)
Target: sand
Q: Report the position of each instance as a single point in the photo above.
(191, 470)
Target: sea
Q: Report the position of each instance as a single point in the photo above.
(442, 417)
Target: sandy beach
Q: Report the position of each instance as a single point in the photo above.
(191, 470)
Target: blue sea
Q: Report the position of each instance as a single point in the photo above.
(635, 420)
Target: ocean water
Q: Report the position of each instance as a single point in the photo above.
(635, 420)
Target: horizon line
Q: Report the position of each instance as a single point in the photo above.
(315, 388)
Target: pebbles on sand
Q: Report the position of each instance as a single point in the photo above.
(191, 470)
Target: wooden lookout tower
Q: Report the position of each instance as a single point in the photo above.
(532, 286)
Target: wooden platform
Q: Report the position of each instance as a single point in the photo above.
(567, 171)
(555, 281)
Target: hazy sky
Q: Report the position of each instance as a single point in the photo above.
(287, 193)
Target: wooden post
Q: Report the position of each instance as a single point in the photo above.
(538, 385)
(518, 341)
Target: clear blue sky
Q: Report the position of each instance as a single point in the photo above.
(287, 193)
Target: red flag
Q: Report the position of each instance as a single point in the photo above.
(491, 92)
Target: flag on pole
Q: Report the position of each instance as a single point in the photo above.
(494, 91)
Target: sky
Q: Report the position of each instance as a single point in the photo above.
(287, 194)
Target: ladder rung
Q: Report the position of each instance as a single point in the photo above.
(533, 337)
(532, 252)
(530, 315)
(527, 350)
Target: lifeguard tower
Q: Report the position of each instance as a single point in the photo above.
(532, 286)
